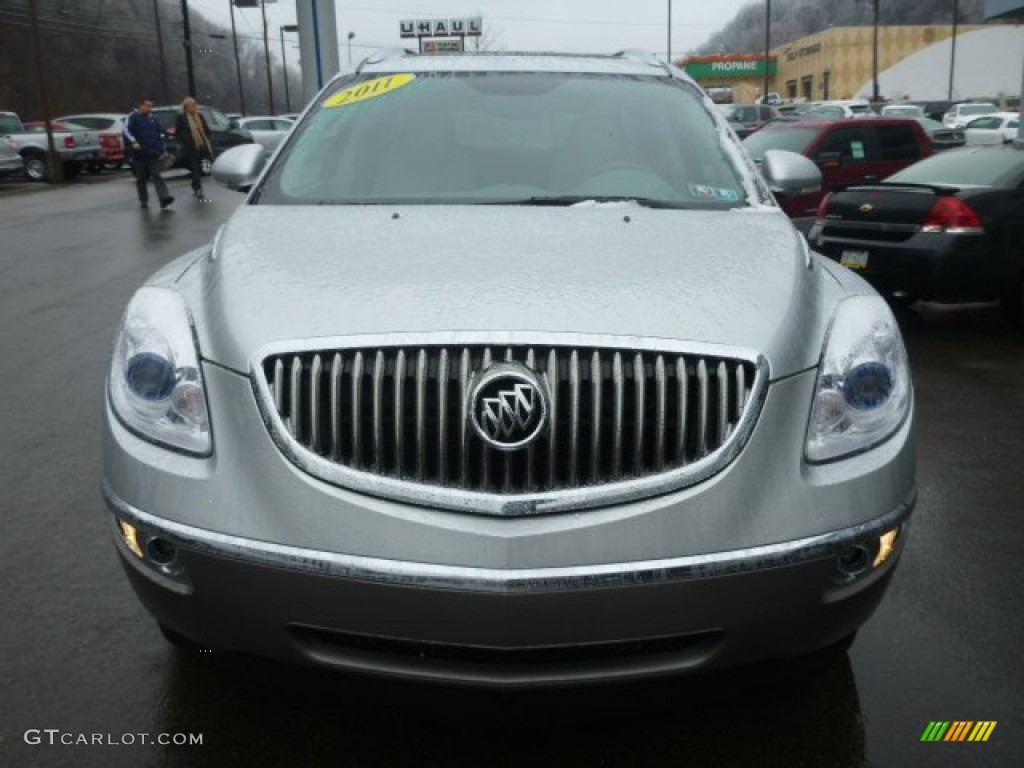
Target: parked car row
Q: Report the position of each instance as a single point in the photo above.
(93, 141)
(917, 224)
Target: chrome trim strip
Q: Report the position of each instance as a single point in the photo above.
(595, 418)
(528, 503)
(399, 412)
(337, 365)
(314, 403)
(378, 411)
(296, 398)
(442, 415)
(574, 416)
(357, 408)
(512, 581)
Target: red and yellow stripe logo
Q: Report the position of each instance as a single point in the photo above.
(958, 730)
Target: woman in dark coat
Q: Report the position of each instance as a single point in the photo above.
(194, 136)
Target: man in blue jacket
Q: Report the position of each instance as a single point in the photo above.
(145, 140)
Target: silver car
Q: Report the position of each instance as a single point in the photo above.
(267, 131)
(510, 371)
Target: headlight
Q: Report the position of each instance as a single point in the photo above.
(156, 387)
(864, 391)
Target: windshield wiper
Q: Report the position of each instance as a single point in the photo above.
(566, 200)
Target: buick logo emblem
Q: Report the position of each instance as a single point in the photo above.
(867, 208)
(508, 406)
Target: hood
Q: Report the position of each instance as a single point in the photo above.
(738, 278)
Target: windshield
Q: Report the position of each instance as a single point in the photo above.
(506, 137)
(789, 138)
(216, 119)
(977, 109)
(984, 167)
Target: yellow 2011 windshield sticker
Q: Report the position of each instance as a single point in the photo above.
(371, 89)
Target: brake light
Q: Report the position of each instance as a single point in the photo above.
(172, 130)
(953, 216)
(823, 208)
(69, 142)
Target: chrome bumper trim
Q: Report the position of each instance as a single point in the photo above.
(509, 581)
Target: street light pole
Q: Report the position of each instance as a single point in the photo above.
(266, 53)
(874, 57)
(350, 36)
(55, 172)
(952, 53)
(188, 49)
(670, 32)
(238, 62)
(767, 47)
(165, 93)
(284, 65)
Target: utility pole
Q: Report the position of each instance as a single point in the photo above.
(238, 62)
(164, 90)
(670, 32)
(54, 170)
(284, 65)
(266, 52)
(767, 47)
(874, 57)
(952, 52)
(190, 72)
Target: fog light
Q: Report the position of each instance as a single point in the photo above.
(852, 563)
(130, 536)
(161, 551)
(886, 546)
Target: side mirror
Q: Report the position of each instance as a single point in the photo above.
(233, 124)
(240, 167)
(788, 173)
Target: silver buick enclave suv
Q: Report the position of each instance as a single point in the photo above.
(510, 371)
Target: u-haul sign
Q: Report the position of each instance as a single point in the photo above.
(441, 27)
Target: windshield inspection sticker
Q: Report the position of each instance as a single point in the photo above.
(714, 193)
(371, 89)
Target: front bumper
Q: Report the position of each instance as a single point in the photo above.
(743, 566)
(508, 627)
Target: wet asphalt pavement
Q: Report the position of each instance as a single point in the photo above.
(80, 655)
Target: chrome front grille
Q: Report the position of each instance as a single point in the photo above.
(391, 416)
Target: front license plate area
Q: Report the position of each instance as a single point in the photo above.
(854, 259)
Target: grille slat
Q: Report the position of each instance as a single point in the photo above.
(421, 414)
(595, 417)
(613, 414)
(722, 426)
(702, 409)
(337, 365)
(400, 413)
(314, 403)
(296, 397)
(682, 397)
(553, 417)
(357, 409)
(574, 417)
(619, 383)
(442, 416)
(661, 392)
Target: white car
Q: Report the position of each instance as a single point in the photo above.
(267, 131)
(838, 110)
(959, 115)
(1000, 128)
(902, 110)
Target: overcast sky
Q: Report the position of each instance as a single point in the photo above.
(600, 26)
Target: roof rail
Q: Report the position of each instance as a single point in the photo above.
(643, 57)
(383, 55)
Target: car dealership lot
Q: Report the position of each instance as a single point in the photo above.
(79, 654)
